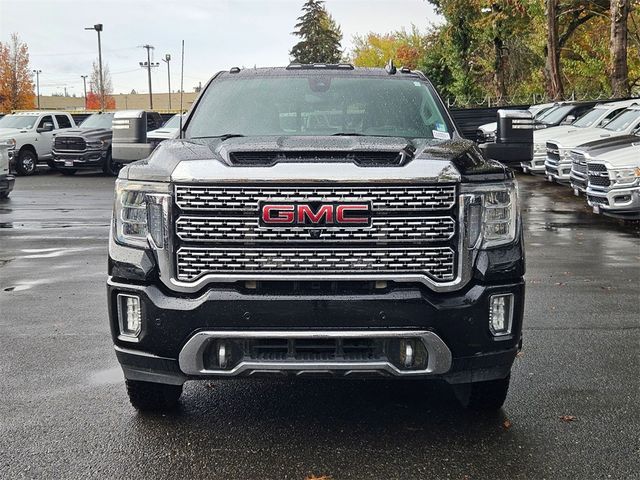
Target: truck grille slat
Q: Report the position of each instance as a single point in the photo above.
(437, 262)
(598, 175)
(73, 144)
(227, 229)
(387, 198)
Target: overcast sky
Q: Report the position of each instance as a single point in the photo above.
(218, 34)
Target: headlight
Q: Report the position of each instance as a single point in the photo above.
(95, 144)
(495, 215)
(565, 154)
(539, 148)
(140, 214)
(625, 176)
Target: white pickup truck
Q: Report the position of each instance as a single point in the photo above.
(32, 134)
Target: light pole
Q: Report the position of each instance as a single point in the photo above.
(84, 82)
(167, 59)
(148, 66)
(98, 28)
(38, 72)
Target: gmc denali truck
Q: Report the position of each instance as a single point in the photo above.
(316, 220)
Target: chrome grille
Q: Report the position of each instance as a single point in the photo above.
(553, 153)
(598, 175)
(579, 163)
(436, 263)
(384, 198)
(246, 229)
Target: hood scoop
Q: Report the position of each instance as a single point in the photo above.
(360, 158)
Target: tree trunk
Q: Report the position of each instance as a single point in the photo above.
(555, 89)
(499, 69)
(618, 48)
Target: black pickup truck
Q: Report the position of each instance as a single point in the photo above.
(89, 145)
(316, 220)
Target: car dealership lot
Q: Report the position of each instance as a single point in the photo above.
(64, 412)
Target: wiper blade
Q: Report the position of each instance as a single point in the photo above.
(223, 137)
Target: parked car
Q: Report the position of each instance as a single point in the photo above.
(581, 155)
(32, 135)
(558, 162)
(380, 245)
(596, 117)
(487, 132)
(168, 130)
(6, 179)
(89, 145)
(614, 183)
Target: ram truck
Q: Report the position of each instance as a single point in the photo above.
(316, 220)
(613, 187)
(89, 145)
(32, 134)
(558, 164)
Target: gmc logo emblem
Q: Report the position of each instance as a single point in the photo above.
(315, 214)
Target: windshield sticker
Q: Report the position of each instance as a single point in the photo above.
(440, 135)
(441, 127)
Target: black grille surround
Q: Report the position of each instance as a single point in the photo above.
(553, 153)
(72, 144)
(216, 232)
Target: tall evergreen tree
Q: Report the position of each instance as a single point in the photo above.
(320, 36)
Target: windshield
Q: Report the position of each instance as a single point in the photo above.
(623, 121)
(557, 115)
(98, 120)
(590, 118)
(173, 122)
(18, 121)
(319, 104)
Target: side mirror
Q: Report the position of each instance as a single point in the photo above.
(46, 127)
(514, 138)
(569, 120)
(129, 142)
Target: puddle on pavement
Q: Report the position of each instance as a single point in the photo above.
(25, 285)
(106, 377)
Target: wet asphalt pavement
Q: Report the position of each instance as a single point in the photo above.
(64, 412)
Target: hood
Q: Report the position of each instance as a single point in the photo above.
(622, 157)
(163, 133)
(556, 133)
(603, 145)
(88, 133)
(8, 132)
(584, 136)
(208, 160)
(488, 127)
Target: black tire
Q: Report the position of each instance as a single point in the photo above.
(486, 396)
(67, 171)
(153, 397)
(110, 167)
(27, 162)
(4, 195)
(52, 165)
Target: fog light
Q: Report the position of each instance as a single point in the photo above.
(500, 314)
(129, 316)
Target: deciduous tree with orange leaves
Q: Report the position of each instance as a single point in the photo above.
(16, 86)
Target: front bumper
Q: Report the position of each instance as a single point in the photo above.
(536, 164)
(456, 324)
(6, 184)
(558, 172)
(78, 160)
(618, 202)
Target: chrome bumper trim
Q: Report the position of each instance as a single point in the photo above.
(191, 358)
